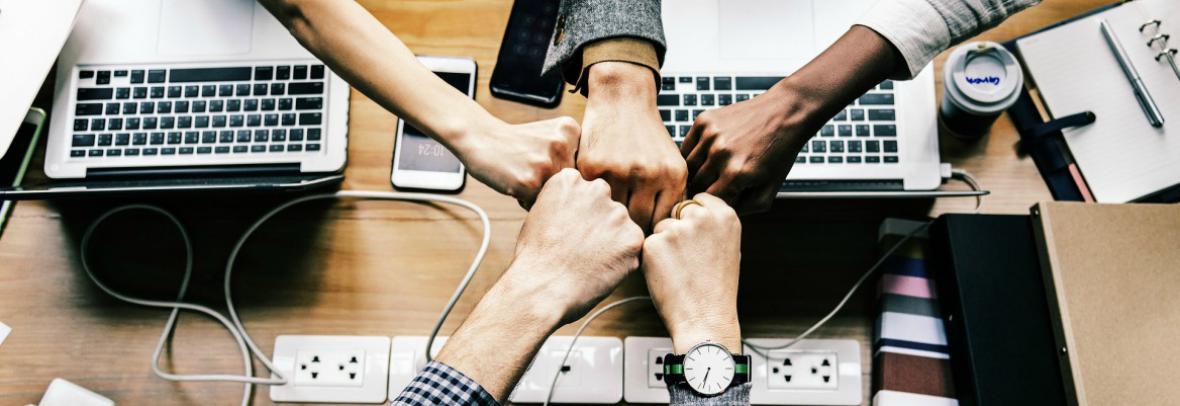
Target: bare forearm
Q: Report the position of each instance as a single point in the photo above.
(366, 54)
(498, 340)
(855, 63)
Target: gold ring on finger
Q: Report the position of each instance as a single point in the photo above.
(679, 207)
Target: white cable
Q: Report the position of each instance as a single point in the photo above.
(971, 182)
(175, 305)
(414, 197)
(245, 344)
(568, 350)
(758, 349)
(753, 347)
(243, 339)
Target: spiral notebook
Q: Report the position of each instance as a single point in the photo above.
(1121, 157)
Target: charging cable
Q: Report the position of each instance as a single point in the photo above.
(758, 349)
(574, 341)
(247, 347)
(761, 350)
(233, 324)
(947, 172)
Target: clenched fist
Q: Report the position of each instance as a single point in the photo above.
(576, 245)
(691, 265)
(516, 160)
(624, 142)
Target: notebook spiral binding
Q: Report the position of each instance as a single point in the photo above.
(1158, 41)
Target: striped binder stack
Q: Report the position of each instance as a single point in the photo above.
(910, 359)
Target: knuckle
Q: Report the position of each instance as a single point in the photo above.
(677, 169)
(721, 147)
(600, 187)
(739, 170)
(567, 176)
(567, 125)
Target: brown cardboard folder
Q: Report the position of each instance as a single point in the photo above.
(1115, 273)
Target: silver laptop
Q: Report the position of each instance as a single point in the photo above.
(183, 87)
(724, 51)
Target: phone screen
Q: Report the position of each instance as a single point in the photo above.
(418, 151)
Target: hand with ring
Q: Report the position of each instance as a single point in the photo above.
(691, 265)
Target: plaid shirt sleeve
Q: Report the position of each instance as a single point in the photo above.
(439, 384)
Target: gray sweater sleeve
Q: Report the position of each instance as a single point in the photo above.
(734, 396)
(583, 21)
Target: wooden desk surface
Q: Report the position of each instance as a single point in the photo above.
(381, 268)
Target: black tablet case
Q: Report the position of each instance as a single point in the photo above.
(990, 287)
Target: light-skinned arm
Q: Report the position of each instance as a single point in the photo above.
(625, 142)
(576, 245)
(691, 265)
(513, 159)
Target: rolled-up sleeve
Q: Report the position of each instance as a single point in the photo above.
(920, 29)
(581, 22)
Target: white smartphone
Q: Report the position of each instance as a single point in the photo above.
(420, 162)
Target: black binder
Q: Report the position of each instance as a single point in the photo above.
(994, 307)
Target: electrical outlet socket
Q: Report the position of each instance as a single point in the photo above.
(802, 369)
(655, 366)
(594, 373)
(330, 368)
(406, 358)
(804, 363)
(340, 369)
(643, 372)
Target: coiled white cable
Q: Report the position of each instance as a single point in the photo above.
(246, 345)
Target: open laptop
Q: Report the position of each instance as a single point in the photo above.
(724, 51)
(203, 93)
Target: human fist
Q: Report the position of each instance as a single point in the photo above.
(516, 160)
(575, 246)
(741, 153)
(691, 266)
(624, 142)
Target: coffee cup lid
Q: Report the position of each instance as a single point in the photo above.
(983, 77)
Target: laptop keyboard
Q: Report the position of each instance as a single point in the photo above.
(865, 132)
(211, 111)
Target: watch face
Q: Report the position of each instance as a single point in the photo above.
(708, 369)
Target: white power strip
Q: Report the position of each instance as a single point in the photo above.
(594, 373)
(600, 370)
(811, 372)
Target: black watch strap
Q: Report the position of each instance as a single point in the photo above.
(674, 369)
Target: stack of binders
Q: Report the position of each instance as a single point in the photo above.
(910, 354)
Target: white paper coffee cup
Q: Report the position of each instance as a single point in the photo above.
(980, 81)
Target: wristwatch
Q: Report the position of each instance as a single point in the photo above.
(707, 368)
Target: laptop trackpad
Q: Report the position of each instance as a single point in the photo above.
(206, 27)
(760, 29)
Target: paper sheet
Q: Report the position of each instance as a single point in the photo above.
(31, 35)
(1121, 156)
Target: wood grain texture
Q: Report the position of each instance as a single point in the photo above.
(380, 268)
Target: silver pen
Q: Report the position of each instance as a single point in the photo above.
(1154, 117)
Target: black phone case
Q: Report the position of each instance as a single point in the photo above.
(502, 90)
